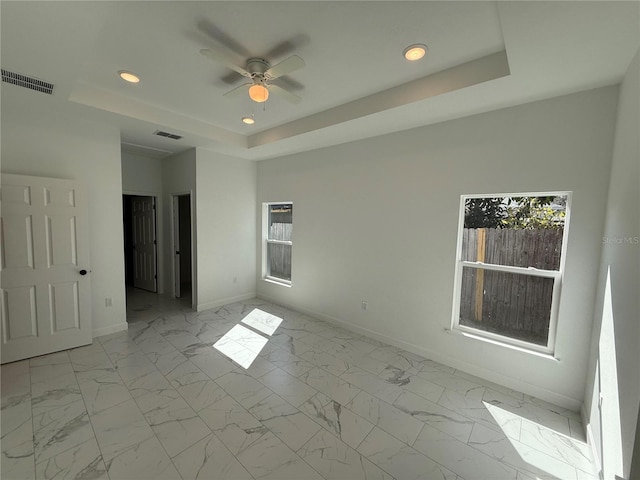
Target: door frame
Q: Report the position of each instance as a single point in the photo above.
(41, 272)
(159, 243)
(172, 224)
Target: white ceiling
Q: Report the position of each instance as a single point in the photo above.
(482, 56)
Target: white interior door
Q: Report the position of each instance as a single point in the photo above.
(143, 218)
(176, 246)
(46, 289)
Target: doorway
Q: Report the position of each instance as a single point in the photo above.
(140, 242)
(46, 274)
(182, 251)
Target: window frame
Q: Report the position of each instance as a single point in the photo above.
(557, 275)
(266, 206)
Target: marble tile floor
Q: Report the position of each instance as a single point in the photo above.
(318, 402)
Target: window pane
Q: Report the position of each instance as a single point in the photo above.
(509, 304)
(279, 260)
(514, 231)
(280, 222)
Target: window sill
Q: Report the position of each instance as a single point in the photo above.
(544, 355)
(277, 281)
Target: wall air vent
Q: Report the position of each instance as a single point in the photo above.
(172, 136)
(27, 82)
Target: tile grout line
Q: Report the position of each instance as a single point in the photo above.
(180, 396)
(364, 456)
(141, 413)
(212, 432)
(95, 437)
(146, 355)
(307, 463)
(183, 315)
(33, 428)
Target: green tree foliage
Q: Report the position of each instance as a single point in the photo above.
(515, 212)
(484, 212)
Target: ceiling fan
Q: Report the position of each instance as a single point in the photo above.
(260, 73)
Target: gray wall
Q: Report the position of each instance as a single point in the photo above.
(40, 139)
(616, 331)
(377, 220)
(226, 232)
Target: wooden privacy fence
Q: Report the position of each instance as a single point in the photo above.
(279, 254)
(280, 231)
(508, 303)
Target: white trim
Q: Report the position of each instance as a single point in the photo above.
(159, 235)
(277, 281)
(225, 301)
(473, 369)
(506, 342)
(265, 240)
(584, 416)
(594, 450)
(554, 193)
(141, 193)
(118, 327)
(556, 275)
(279, 242)
(192, 221)
(531, 271)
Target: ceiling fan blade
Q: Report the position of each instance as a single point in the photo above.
(237, 91)
(230, 78)
(225, 59)
(287, 47)
(288, 65)
(285, 82)
(281, 92)
(220, 37)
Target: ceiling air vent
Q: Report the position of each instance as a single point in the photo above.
(173, 136)
(27, 82)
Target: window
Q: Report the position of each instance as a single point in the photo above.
(510, 263)
(278, 245)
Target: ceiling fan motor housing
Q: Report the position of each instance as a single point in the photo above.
(257, 66)
(260, 72)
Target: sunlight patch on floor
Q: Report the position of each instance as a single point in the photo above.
(540, 451)
(262, 321)
(243, 345)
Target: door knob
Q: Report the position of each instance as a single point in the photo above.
(83, 272)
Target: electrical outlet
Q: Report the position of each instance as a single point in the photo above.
(108, 302)
(364, 305)
(235, 279)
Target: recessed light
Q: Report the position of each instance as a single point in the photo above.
(129, 77)
(248, 120)
(415, 52)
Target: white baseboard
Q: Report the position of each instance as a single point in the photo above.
(590, 440)
(594, 450)
(509, 382)
(219, 303)
(118, 327)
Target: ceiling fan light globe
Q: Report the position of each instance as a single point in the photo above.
(258, 93)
